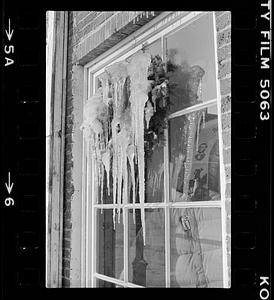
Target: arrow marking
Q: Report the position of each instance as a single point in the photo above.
(9, 186)
(9, 33)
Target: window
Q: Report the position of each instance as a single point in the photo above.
(185, 245)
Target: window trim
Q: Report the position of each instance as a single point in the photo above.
(164, 28)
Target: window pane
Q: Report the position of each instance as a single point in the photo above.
(154, 178)
(191, 51)
(196, 247)
(110, 245)
(105, 284)
(147, 262)
(194, 156)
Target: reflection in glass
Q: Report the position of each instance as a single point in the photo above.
(191, 57)
(110, 247)
(194, 156)
(196, 247)
(147, 262)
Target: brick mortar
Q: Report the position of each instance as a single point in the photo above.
(224, 29)
(94, 21)
(98, 28)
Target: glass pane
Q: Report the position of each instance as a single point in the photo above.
(154, 178)
(194, 156)
(196, 247)
(105, 284)
(191, 54)
(110, 244)
(147, 262)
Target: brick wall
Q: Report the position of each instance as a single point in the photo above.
(223, 27)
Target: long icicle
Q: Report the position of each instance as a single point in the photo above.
(130, 153)
(138, 68)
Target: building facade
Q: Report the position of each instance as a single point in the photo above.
(80, 46)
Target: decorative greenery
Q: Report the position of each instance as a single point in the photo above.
(160, 100)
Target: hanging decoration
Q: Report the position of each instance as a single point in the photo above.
(123, 122)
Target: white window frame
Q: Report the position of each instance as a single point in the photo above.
(161, 27)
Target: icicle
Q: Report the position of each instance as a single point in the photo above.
(119, 177)
(118, 74)
(137, 69)
(113, 217)
(125, 175)
(106, 162)
(102, 181)
(130, 154)
(200, 90)
(203, 118)
(148, 113)
(198, 132)
(114, 162)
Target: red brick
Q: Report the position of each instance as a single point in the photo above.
(225, 86)
(224, 69)
(227, 138)
(226, 104)
(67, 234)
(67, 273)
(66, 243)
(67, 223)
(228, 241)
(66, 253)
(227, 156)
(228, 225)
(65, 282)
(228, 207)
(66, 263)
(226, 121)
(80, 15)
(224, 53)
(219, 13)
(228, 190)
(228, 172)
(224, 37)
(223, 21)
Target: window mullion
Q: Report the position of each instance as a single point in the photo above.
(192, 108)
(125, 220)
(93, 225)
(221, 159)
(167, 221)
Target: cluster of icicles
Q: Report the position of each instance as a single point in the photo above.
(116, 139)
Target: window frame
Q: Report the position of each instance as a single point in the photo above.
(168, 24)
